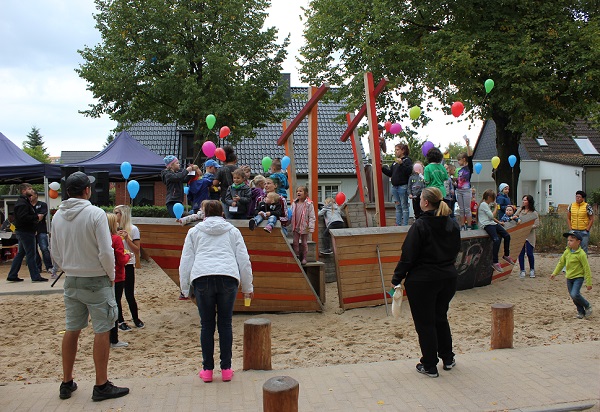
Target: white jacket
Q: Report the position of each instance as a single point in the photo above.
(214, 247)
(80, 243)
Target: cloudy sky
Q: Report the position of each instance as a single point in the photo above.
(39, 87)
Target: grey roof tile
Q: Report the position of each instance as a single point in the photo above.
(68, 157)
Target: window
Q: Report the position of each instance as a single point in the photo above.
(329, 189)
(586, 147)
(549, 189)
(541, 141)
(188, 148)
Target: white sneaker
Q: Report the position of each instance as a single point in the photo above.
(588, 311)
(522, 275)
(531, 273)
(119, 344)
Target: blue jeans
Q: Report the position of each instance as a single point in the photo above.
(400, 196)
(170, 209)
(215, 296)
(585, 239)
(28, 249)
(527, 248)
(574, 288)
(496, 232)
(42, 241)
(271, 220)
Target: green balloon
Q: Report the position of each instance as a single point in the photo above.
(266, 163)
(414, 112)
(210, 121)
(489, 85)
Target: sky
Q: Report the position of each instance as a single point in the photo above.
(40, 88)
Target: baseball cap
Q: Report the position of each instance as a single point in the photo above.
(210, 163)
(77, 182)
(577, 235)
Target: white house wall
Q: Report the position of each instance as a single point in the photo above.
(566, 180)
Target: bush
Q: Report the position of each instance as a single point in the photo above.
(549, 235)
(594, 197)
(143, 211)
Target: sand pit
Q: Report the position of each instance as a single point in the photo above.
(169, 344)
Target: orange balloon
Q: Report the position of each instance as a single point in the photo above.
(52, 193)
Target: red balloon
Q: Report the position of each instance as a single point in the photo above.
(388, 126)
(340, 198)
(224, 132)
(220, 154)
(52, 193)
(457, 108)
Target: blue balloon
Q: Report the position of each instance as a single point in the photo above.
(178, 210)
(289, 213)
(512, 160)
(186, 189)
(133, 187)
(477, 167)
(285, 162)
(126, 170)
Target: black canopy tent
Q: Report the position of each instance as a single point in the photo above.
(16, 166)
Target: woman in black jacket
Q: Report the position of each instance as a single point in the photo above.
(427, 263)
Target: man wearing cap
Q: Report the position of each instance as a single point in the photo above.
(580, 218)
(82, 247)
(26, 223)
(173, 177)
(200, 189)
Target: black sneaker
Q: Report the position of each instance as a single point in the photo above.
(15, 279)
(139, 324)
(66, 389)
(124, 327)
(109, 391)
(41, 279)
(252, 224)
(431, 372)
(450, 365)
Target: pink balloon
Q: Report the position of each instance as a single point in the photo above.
(427, 146)
(208, 148)
(395, 128)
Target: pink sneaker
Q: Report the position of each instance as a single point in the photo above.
(268, 228)
(227, 374)
(205, 375)
(509, 260)
(497, 267)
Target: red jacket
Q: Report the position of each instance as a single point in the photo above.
(121, 258)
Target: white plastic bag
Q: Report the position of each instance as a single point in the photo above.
(397, 301)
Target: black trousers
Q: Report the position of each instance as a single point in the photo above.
(327, 235)
(429, 302)
(128, 287)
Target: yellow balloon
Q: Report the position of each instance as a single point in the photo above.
(495, 162)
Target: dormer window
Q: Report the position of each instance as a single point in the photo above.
(584, 144)
(541, 141)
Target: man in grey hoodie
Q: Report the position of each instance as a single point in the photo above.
(82, 247)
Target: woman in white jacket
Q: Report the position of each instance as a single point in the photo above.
(214, 262)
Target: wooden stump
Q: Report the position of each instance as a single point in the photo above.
(280, 394)
(503, 325)
(257, 344)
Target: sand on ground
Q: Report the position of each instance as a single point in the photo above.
(32, 328)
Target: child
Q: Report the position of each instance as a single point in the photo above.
(277, 173)
(270, 209)
(333, 220)
(577, 271)
(494, 229)
(303, 222)
(416, 184)
(509, 215)
(121, 259)
(450, 185)
(238, 196)
(247, 173)
(173, 177)
(435, 174)
(502, 200)
(463, 187)
(474, 207)
(257, 190)
(199, 190)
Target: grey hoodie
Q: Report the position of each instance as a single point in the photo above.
(81, 242)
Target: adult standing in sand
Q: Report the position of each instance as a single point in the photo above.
(82, 247)
(427, 263)
(580, 218)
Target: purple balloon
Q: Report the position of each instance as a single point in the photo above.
(208, 148)
(395, 128)
(427, 146)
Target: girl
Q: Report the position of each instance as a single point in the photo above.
(173, 177)
(450, 185)
(435, 174)
(416, 184)
(333, 220)
(268, 209)
(303, 222)
(121, 259)
(271, 186)
(131, 241)
(463, 187)
(257, 190)
(526, 213)
(224, 176)
(494, 229)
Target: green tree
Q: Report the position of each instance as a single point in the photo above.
(454, 149)
(37, 153)
(544, 58)
(109, 140)
(180, 60)
(34, 146)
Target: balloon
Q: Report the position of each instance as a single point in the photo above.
(54, 186)
(477, 167)
(186, 189)
(208, 148)
(495, 162)
(427, 146)
(133, 187)
(285, 162)
(178, 210)
(489, 85)
(512, 160)
(388, 126)
(457, 108)
(396, 128)
(126, 170)
(53, 193)
(210, 121)
(224, 132)
(414, 112)
(340, 198)
(220, 154)
(266, 163)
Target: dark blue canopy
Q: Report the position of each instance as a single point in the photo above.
(16, 166)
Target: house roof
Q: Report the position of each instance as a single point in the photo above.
(335, 156)
(68, 156)
(561, 149)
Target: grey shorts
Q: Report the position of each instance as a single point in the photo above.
(90, 298)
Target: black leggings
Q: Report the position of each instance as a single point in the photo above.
(128, 286)
(327, 235)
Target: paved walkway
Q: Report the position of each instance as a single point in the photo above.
(547, 378)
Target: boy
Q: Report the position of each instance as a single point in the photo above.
(574, 259)
(509, 215)
(277, 173)
(238, 196)
(270, 209)
(200, 187)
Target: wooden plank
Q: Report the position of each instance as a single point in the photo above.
(312, 102)
(374, 148)
(362, 111)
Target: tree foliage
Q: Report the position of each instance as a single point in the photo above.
(34, 146)
(544, 58)
(180, 60)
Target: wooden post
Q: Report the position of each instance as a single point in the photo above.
(503, 325)
(280, 394)
(257, 344)
(358, 161)
(313, 164)
(289, 152)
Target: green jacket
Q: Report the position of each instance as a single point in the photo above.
(577, 265)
